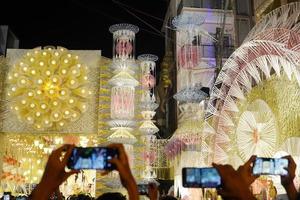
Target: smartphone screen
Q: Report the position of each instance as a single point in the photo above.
(143, 189)
(270, 166)
(92, 158)
(6, 197)
(201, 178)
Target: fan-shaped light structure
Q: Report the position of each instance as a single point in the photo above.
(189, 22)
(271, 48)
(148, 105)
(121, 123)
(122, 135)
(123, 78)
(148, 127)
(256, 131)
(191, 94)
(123, 65)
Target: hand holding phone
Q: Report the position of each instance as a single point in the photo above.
(270, 166)
(92, 158)
(143, 189)
(201, 178)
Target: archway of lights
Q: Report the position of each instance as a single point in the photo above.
(253, 104)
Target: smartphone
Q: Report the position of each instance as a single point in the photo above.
(270, 166)
(21, 198)
(143, 189)
(6, 196)
(201, 178)
(92, 158)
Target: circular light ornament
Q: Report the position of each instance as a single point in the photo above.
(46, 82)
(256, 131)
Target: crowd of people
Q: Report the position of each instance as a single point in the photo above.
(235, 183)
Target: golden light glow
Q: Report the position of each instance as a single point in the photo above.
(48, 88)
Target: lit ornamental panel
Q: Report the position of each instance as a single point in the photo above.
(47, 88)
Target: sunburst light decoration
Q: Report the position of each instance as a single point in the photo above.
(256, 131)
(270, 50)
(48, 88)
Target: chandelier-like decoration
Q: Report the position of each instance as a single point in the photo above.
(123, 83)
(123, 41)
(190, 31)
(189, 26)
(148, 106)
(191, 94)
(48, 88)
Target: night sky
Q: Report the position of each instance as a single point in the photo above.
(83, 24)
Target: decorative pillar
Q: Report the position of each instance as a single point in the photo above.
(123, 86)
(148, 107)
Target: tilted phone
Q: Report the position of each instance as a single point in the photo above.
(92, 158)
(143, 189)
(270, 166)
(200, 178)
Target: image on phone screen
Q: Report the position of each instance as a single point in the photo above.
(201, 178)
(270, 166)
(91, 158)
(281, 165)
(143, 189)
(6, 197)
(210, 178)
(192, 177)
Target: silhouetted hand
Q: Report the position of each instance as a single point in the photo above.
(152, 191)
(288, 181)
(245, 172)
(233, 186)
(122, 165)
(54, 173)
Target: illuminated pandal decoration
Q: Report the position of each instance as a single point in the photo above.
(123, 85)
(26, 155)
(188, 141)
(148, 106)
(269, 54)
(48, 88)
(189, 28)
(256, 130)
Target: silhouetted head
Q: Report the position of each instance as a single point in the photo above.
(167, 197)
(80, 197)
(112, 195)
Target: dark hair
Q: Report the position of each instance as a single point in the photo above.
(80, 197)
(167, 197)
(112, 195)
